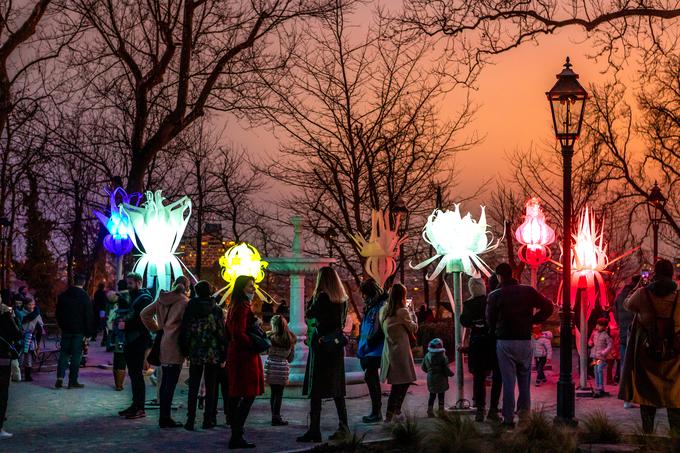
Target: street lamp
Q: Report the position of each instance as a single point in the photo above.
(401, 212)
(656, 203)
(4, 231)
(330, 236)
(567, 104)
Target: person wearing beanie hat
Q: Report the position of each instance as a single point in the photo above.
(203, 340)
(482, 352)
(600, 345)
(436, 365)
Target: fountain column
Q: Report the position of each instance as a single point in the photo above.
(297, 307)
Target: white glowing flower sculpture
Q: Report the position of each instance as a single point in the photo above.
(381, 247)
(458, 241)
(242, 259)
(158, 232)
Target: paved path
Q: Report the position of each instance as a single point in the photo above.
(45, 419)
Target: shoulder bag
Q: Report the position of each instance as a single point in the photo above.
(154, 357)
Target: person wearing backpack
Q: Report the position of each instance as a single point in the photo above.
(203, 340)
(651, 369)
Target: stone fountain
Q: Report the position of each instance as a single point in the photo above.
(297, 266)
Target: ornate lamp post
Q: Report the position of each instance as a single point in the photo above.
(656, 203)
(400, 212)
(535, 236)
(567, 104)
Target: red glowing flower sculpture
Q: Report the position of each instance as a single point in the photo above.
(535, 235)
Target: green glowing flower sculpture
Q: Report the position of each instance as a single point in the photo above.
(158, 231)
(458, 241)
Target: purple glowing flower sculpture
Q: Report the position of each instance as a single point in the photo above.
(118, 241)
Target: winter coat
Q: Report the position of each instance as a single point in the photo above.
(30, 322)
(203, 337)
(10, 333)
(325, 372)
(600, 344)
(371, 337)
(615, 352)
(74, 312)
(482, 352)
(244, 366)
(644, 380)
(397, 359)
(436, 365)
(510, 310)
(135, 330)
(165, 314)
(276, 369)
(541, 347)
(99, 303)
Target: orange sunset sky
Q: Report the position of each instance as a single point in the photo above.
(513, 113)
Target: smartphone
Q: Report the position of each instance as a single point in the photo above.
(409, 302)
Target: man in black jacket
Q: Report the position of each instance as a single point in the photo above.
(137, 341)
(9, 333)
(510, 312)
(75, 320)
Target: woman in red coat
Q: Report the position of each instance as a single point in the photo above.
(244, 366)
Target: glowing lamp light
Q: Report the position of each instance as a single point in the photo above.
(119, 240)
(381, 247)
(158, 231)
(535, 235)
(458, 241)
(242, 259)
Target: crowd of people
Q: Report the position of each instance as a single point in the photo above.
(223, 346)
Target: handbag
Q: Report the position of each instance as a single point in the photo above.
(154, 357)
(259, 340)
(332, 342)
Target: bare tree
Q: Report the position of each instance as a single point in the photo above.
(156, 67)
(476, 30)
(364, 132)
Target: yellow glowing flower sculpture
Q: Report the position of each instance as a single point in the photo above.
(242, 259)
(458, 241)
(158, 231)
(381, 247)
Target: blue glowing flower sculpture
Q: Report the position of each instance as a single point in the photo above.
(158, 231)
(458, 241)
(119, 239)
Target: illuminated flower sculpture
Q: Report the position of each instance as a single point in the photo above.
(119, 239)
(158, 231)
(458, 241)
(535, 236)
(381, 247)
(242, 259)
(589, 262)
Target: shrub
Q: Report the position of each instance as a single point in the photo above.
(407, 433)
(537, 434)
(600, 430)
(442, 329)
(455, 433)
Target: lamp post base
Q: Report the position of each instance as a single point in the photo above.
(565, 404)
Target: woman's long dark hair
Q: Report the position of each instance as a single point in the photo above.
(238, 295)
(395, 301)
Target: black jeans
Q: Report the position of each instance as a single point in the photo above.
(540, 364)
(239, 408)
(222, 385)
(134, 358)
(196, 372)
(648, 413)
(5, 373)
(276, 399)
(441, 396)
(372, 378)
(396, 399)
(315, 416)
(167, 389)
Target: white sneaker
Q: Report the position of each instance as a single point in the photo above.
(5, 435)
(628, 405)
